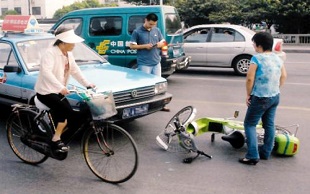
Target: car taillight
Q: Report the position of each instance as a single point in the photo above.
(295, 148)
(278, 47)
(164, 49)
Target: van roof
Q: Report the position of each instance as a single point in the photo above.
(121, 10)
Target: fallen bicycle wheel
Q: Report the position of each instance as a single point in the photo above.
(168, 139)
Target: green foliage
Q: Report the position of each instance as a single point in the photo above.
(9, 12)
(295, 16)
(292, 16)
(79, 5)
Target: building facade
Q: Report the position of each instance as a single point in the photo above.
(41, 9)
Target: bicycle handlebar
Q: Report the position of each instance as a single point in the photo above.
(88, 89)
(88, 92)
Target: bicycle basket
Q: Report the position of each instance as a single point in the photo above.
(102, 106)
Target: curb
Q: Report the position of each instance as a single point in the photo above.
(296, 50)
(290, 48)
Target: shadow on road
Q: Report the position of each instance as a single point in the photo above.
(5, 112)
(207, 71)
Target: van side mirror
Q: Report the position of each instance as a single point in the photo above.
(10, 69)
(52, 31)
(92, 45)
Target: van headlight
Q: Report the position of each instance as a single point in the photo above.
(161, 87)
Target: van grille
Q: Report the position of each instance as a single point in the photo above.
(134, 94)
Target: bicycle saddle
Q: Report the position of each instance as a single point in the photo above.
(39, 104)
(236, 139)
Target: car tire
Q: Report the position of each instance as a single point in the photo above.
(241, 64)
(133, 65)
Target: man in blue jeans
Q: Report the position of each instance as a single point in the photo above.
(147, 40)
(265, 76)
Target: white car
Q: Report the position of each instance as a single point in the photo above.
(223, 45)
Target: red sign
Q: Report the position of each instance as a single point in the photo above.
(19, 23)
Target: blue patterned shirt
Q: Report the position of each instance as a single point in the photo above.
(268, 73)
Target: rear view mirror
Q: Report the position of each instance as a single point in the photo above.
(10, 69)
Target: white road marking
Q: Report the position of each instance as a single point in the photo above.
(237, 104)
(228, 80)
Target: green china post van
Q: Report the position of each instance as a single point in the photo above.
(108, 31)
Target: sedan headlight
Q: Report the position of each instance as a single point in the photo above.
(161, 87)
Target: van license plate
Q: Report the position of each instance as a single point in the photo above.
(135, 111)
(176, 52)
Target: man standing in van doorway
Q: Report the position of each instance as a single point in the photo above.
(147, 40)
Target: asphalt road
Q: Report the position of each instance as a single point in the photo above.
(214, 92)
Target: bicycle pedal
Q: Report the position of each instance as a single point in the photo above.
(61, 151)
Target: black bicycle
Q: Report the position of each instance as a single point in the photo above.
(109, 151)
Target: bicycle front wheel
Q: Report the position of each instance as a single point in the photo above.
(20, 126)
(168, 139)
(110, 153)
(185, 115)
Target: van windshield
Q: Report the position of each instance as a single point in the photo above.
(173, 23)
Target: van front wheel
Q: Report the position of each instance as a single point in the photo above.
(133, 65)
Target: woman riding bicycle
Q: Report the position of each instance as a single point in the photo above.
(57, 64)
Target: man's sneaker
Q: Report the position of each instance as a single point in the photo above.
(59, 146)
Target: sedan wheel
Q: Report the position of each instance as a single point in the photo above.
(241, 64)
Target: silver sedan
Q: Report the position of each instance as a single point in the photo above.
(223, 45)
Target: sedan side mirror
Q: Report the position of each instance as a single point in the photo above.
(10, 69)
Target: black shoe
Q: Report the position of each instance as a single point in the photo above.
(165, 109)
(248, 161)
(59, 146)
(261, 156)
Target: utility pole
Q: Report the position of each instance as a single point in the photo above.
(29, 8)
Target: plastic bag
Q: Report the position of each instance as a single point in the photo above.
(102, 105)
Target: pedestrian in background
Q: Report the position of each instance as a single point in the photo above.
(265, 76)
(147, 40)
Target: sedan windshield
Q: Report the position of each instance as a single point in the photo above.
(32, 51)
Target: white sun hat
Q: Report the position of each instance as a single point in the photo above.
(69, 37)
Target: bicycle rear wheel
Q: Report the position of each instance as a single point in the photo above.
(110, 153)
(21, 125)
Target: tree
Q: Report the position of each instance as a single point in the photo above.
(194, 12)
(291, 15)
(294, 16)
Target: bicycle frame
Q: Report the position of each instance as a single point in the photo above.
(182, 128)
(109, 151)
